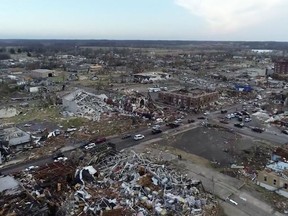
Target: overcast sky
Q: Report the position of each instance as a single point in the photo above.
(145, 19)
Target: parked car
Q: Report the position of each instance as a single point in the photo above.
(223, 111)
(156, 131)
(224, 122)
(126, 136)
(258, 130)
(247, 119)
(201, 117)
(156, 127)
(138, 137)
(90, 146)
(99, 140)
(191, 121)
(240, 125)
(178, 121)
(245, 113)
(238, 114)
(228, 116)
(172, 125)
(285, 131)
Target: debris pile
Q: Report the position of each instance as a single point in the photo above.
(122, 184)
(85, 104)
(133, 185)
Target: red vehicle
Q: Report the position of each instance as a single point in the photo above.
(99, 140)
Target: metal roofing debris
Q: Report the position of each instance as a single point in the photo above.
(133, 183)
(122, 184)
(9, 185)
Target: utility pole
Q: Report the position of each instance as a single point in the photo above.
(213, 185)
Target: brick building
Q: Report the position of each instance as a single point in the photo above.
(281, 67)
(194, 99)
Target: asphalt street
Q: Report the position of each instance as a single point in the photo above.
(129, 142)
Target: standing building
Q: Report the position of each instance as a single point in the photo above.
(194, 99)
(281, 67)
(275, 175)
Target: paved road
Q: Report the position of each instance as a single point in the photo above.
(120, 144)
(277, 138)
(126, 143)
(225, 188)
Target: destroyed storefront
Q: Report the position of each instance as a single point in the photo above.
(124, 184)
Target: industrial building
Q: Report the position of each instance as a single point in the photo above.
(42, 73)
(194, 99)
(281, 67)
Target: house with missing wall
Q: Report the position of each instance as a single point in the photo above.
(275, 175)
(16, 138)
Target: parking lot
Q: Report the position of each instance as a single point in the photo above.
(217, 145)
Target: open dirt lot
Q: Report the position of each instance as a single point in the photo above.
(214, 144)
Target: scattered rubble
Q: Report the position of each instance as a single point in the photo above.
(121, 184)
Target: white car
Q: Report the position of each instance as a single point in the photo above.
(61, 159)
(31, 168)
(138, 137)
(228, 116)
(90, 145)
(247, 119)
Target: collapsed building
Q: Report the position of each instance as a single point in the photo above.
(85, 104)
(15, 138)
(194, 99)
(123, 184)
